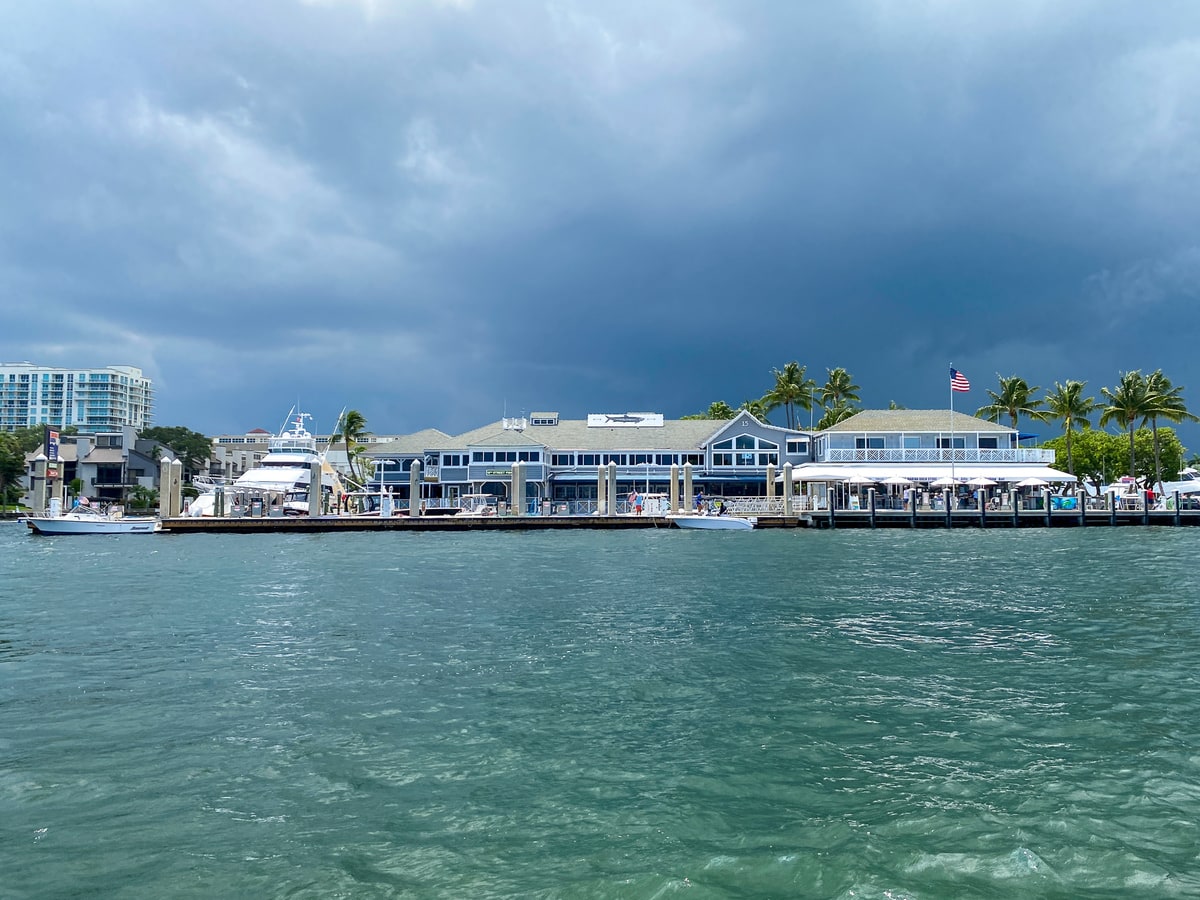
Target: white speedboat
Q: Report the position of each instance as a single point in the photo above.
(714, 522)
(89, 520)
(476, 505)
(278, 484)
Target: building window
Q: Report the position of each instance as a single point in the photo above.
(945, 443)
(868, 443)
(797, 448)
(912, 443)
(988, 443)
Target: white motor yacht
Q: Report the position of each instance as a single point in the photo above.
(279, 483)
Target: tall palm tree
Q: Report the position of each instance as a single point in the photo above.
(350, 431)
(1066, 404)
(1166, 402)
(839, 389)
(1129, 405)
(792, 390)
(1014, 400)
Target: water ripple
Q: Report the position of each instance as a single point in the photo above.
(820, 714)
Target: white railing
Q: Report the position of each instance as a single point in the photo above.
(919, 455)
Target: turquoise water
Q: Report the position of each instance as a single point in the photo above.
(845, 714)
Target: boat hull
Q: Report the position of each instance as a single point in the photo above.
(72, 525)
(714, 523)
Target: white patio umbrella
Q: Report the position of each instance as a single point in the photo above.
(945, 481)
(982, 482)
(1033, 482)
(897, 479)
(860, 479)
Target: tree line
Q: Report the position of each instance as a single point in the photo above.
(1135, 402)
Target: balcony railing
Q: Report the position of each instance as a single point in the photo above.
(922, 455)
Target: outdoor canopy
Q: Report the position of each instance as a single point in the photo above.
(1008, 472)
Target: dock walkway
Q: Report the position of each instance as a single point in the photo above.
(843, 518)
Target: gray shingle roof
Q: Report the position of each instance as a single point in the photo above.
(574, 434)
(417, 442)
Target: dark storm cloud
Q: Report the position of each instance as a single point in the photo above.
(434, 212)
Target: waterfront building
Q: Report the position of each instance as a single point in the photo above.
(931, 448)
(92, 400)
(729, 458)
(108, 465)
(562, 457)
(734, 458)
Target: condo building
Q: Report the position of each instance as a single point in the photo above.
(93, 400)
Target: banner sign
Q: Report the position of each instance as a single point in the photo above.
(625, 420)
(51, 443)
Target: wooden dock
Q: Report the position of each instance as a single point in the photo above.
(821, 519)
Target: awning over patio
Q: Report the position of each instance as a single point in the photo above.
(926, 472)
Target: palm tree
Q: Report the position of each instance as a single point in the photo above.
(840, 389)
(835, 414)
(792, 389)
(1014, 400)
(756, 408)
(1066, 404)
(719, 410)
(1166, 402)
(1129, 404)
(351, 430)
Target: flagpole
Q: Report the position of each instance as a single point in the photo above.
(952, 432)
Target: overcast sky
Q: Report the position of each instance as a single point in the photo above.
(439, 213)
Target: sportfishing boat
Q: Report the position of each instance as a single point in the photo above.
(714, 522)
(279, 483)
(86, 519)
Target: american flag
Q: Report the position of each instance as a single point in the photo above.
(958, 381)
